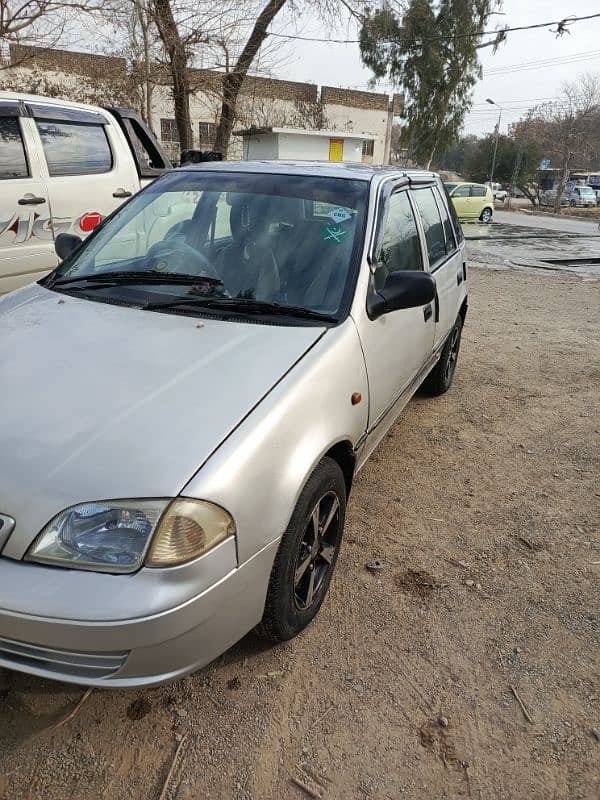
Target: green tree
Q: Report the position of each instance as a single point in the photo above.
(517, 162)
(456, 156)
(430, 51)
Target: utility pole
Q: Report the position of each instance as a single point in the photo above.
(491, 102)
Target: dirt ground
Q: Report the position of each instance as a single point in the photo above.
(484, 507)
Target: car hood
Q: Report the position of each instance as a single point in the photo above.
(101, 401)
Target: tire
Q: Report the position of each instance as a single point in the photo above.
(440, 378)
(291, 604)
(573, 204)
(486, 215)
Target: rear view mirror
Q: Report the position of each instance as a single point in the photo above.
(402, 289)
(65, 244)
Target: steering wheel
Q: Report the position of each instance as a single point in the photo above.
(177, 256)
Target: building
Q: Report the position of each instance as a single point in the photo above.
(306, 145)
(364, 118)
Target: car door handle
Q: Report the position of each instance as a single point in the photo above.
(427, 312)
(31, 200)
(121, 193)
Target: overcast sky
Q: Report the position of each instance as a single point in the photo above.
(504, 79)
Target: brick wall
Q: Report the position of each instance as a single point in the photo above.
(398, 104)
(331, 95)
(69, 62)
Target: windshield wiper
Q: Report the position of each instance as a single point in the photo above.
(140, 276)
(244, 306)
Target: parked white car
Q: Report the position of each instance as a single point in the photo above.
(183, 417)
(63, 168)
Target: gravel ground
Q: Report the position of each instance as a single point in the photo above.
(484, 507)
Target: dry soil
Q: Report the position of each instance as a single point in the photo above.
(484, 507)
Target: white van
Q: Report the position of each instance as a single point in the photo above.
(63, 168)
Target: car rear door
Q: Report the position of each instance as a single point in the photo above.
(445, 256)
(89, 168)
(26, 241)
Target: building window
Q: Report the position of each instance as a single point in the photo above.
(207, 132)
(367, 147)
(168, 130)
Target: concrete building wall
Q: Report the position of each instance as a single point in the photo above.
(264, 102)
(265, 146)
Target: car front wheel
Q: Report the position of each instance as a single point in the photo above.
(307, 555)
(486, 215)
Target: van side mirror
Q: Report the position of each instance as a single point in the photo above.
(65, 244)
(402, 289)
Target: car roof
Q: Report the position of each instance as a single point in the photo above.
(55, 101)
(327, 169)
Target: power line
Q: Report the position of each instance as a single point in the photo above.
(542, 64)
(561, 23)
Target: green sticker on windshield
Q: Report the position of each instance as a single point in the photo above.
(334, 234)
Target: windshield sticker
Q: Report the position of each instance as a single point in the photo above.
(339, 214)
(334, 234)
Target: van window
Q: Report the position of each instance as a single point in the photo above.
(478, 191)
(400, 247)
(73, 149)
(13, 162)
(432, 225)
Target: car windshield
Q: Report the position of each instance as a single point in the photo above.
(285, 240)
(450, 186)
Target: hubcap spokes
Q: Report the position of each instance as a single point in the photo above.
(317, 549)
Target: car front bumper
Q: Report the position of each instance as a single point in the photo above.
(132, 652)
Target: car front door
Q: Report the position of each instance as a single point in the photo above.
(461, 199)
(397, 344)
(26, 242)
(445, 257)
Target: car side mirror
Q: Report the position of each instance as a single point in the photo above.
(65, 244)
(402, 289)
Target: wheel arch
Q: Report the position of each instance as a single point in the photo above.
(345, 457)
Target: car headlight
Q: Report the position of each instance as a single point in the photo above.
(116, 535)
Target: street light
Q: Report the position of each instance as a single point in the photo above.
(492, 103)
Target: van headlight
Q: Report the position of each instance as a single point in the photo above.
(121, 535)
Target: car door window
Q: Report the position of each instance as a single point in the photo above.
(461, 191)
(478, 191)
(432, 225)
(13, 161)
(447, 225)
(400, 248)
(75, 149)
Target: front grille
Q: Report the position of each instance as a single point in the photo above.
(63, 662)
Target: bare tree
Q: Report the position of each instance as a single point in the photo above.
(568, 128)
(233, 80)
(39, 22)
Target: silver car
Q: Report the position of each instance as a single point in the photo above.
(187, 398)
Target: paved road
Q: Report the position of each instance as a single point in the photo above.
(559, 224)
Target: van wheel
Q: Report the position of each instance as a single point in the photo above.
(307, 555)
(486, 215)
(573, 204)
(440, 378)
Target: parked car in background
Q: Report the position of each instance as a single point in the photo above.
(208, 398)
(63, 168)
(581, 197)
(472, 200)
(574, 195)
